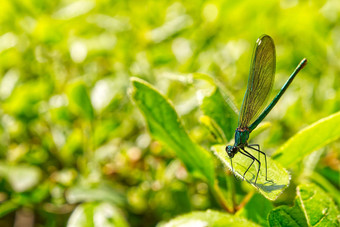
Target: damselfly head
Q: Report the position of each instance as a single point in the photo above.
(231, 151)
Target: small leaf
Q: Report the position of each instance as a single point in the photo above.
(214, 129)
(278, 176)
(256, 210)
(96, 214)
(313, 207)
(287, 216)
(308, 140)
(216, 104)
(208, 218)
(80, 101)
(165, 126)
(317, 206)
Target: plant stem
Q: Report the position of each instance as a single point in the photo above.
(231, 186)
(220, 198)
(245, 200)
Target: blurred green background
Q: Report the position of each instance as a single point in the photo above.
(73, 143)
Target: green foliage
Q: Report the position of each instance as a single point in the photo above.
(217, 106)
(208, 218)
(309, 139)
(318, 208)
(20, 177)
(97, 214)
(102, 193)
(278, 177)
(165, 126)
(313, 207)
(76, 150)
(287, 216)
(256, 210)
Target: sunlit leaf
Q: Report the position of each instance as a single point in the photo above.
(318, 206)
(278, 176)
(216, 104)
(313, 207)
(165, 126)
(96, 214)
(287, 216)
(308, 140)
(208, 218)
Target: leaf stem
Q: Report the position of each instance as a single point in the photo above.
(245, 200)
(220, 198)
(231, 186)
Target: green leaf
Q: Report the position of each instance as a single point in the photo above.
(308, 140)
(313, 207)
(207, 218)
(256, 210)
(165, 126)
(278, 176)
(214, 128)
(287, 216)
(217, 105)
(80, 101)
(318, 207)
(96, 214)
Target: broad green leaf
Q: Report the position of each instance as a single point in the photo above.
(313, 207)
(80, 101)
(96, 214)
(256, 210)
(208, 218)
(165, 126)
(308, 140)
(318, 207)
(216, 104)
(278, 176)
(287, 216)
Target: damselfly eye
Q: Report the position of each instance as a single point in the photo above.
(231, 151)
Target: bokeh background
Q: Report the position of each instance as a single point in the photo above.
(72, 143)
